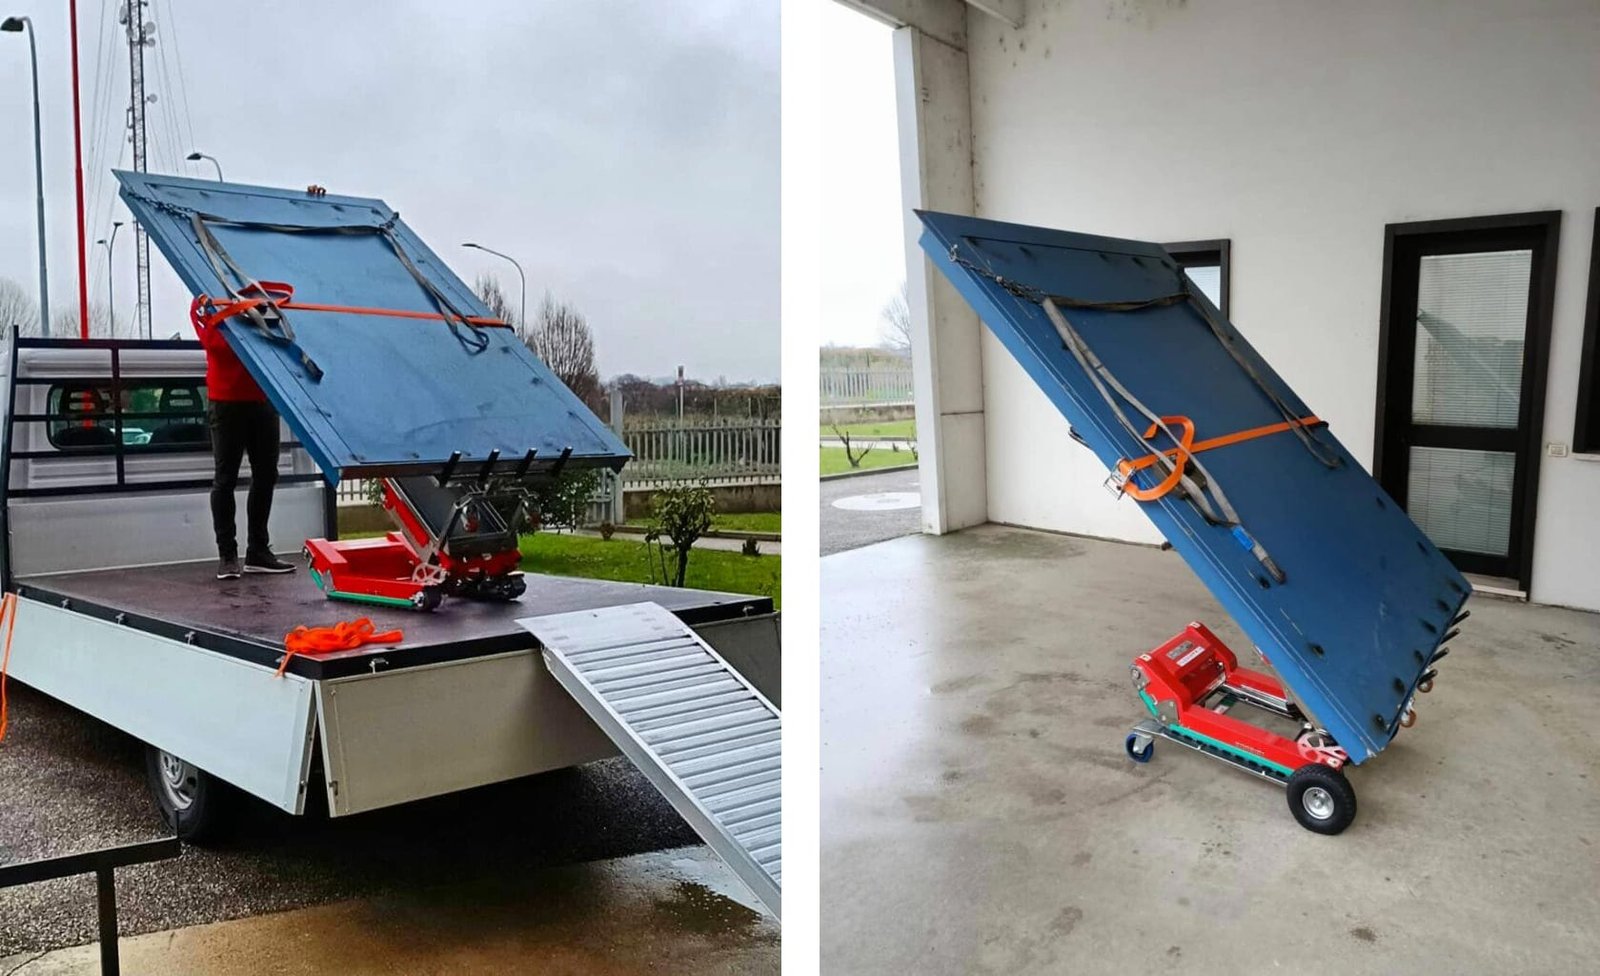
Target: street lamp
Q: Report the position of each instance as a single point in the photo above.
(15, 25)
(524, 324)
(197, 155)
(111, 273)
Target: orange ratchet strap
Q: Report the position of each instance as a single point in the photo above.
(8, 617)
(346, 635)
(1187, 446)
(280, 295)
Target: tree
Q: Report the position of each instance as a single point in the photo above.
(64, 322)
(896, 315)
(562, 339)
(488, 289)
(681, 513)
(18, 308)
(840, 431)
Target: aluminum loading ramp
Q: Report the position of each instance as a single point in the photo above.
(1346, 598)
(694, 726)
(380, 359)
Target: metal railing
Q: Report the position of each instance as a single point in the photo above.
(850, 386)
(667, 451)
(101, 864)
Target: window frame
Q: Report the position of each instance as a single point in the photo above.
(1218, 251)
(1586, 419)
(58, 417)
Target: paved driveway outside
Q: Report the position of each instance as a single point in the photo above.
(843, 529)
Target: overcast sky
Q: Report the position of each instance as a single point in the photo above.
(625, 151)
(863, 260)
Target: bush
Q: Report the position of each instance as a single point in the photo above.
(563, 502)
(680, 514)
(607, 530)
(751, 547)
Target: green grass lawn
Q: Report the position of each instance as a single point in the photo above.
(624, 559)
(834, 460)
(881, 428)
(738, 522)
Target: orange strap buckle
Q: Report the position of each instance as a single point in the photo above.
(1188, 446)
(346, 635)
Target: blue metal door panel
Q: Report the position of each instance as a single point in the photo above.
(1366, 599)
(396, 395)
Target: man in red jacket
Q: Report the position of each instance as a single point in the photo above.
(242, 423)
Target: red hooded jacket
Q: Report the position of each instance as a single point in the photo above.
(226, 377)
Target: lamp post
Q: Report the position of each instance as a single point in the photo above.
(14, 25)
(523, 326)
(197, 155)
(111, 273)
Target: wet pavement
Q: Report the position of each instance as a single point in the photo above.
(847, 528)
(979, 815)
(678, 911)
(70, 783)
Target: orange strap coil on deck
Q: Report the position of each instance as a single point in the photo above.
(1187, 446)
(346, 635)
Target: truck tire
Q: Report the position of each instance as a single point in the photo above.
(192, 802)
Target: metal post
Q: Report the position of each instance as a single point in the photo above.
(106, 893)
(77, 148)
(522, 326)
(619, 511)
(14, 24)
(111, 274)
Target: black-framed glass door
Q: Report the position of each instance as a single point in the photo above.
(1462, 383)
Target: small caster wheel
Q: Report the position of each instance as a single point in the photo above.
(428, 599)
(1321, 799)
(1137, 753)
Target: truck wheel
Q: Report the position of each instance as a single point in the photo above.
(1321, 798)
(192, 802)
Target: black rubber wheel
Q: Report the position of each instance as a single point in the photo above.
(194, 804)
(1136, 754)
(428, 599)
(1321, 799)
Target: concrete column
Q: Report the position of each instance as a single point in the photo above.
(935, 123)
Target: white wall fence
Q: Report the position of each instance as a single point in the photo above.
(866, 386)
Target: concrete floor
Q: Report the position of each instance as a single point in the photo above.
(979, 815)
(841, 529)
(673, 912)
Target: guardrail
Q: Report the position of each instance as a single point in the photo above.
(101, 864)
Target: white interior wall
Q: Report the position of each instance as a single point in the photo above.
(1297, 129)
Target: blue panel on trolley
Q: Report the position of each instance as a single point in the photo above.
(396, 395)
(1365, 600)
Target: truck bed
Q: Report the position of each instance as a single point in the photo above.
(248, 617)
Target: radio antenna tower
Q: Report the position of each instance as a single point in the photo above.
(141, 34)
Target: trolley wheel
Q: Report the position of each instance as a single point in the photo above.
(428, 599)
(193, 803)
(1321, 799)
(1131, 744)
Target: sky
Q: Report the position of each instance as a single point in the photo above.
(625, 152)
(863, 261)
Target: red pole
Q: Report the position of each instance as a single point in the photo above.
(77, 146)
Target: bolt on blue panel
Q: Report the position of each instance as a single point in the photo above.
(367, 394)
(1336, 586)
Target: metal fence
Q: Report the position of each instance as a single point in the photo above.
(847, 386)
(670, 450)
(723, 452)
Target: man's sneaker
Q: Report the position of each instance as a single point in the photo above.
(266, 562)
(229, 568)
